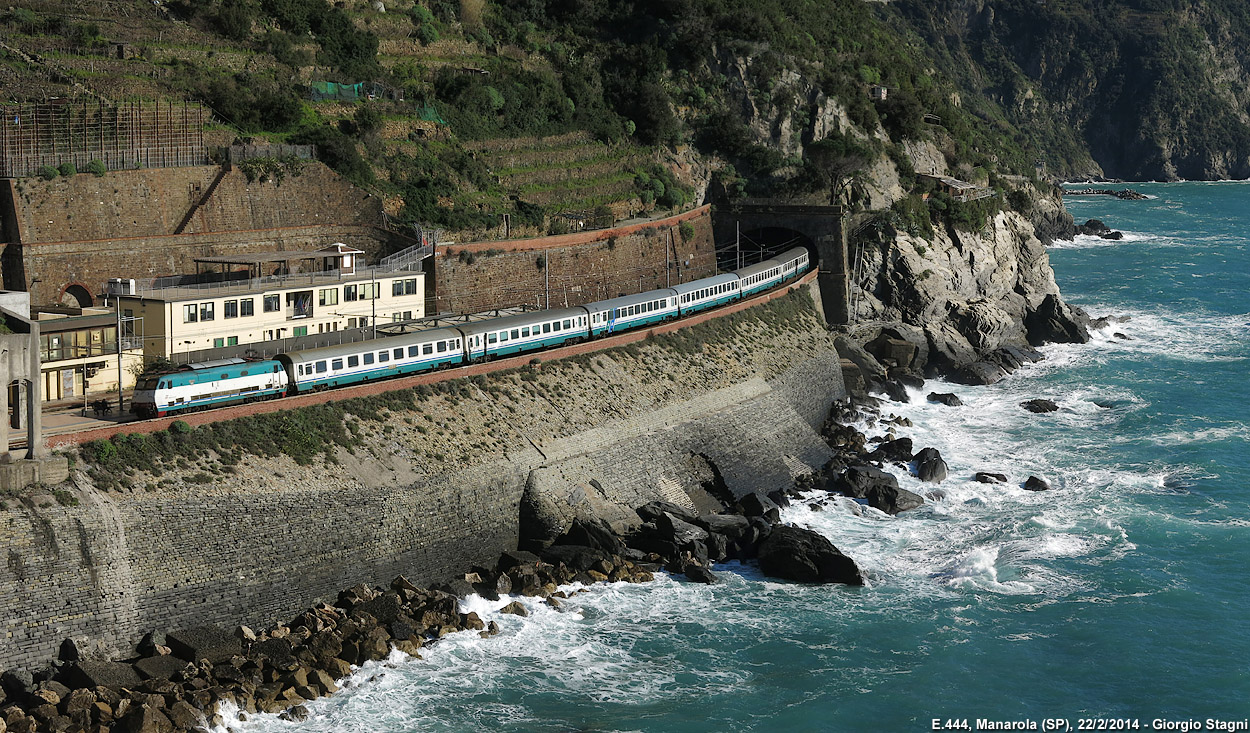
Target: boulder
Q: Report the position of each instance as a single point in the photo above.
(146, 719)
(516, 558)
(516, 608)
(592, 533)
(651, 511)
(700, 574)
(986, 477)
(1039, 405)
(678, 532)
(895, 390)
(1033, 483)
(205, 642)
(276, 651)
(892, 500)
(163, 667)
(732, 526)
(800, 554)
(946, 398)
(897, 450)
(757, 505)
(980, 373)
(385, 608)
(17, 683)
(575, 557)
(930, 467)
(857, 481)
(88, 673)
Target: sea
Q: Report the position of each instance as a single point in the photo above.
(1115, 601)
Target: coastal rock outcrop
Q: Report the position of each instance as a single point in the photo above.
(794, 553)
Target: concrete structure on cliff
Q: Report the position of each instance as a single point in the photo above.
(20, 400)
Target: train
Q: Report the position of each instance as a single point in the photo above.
(225, 382)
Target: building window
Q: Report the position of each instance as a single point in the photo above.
(230, 309)
(404, 287)
(299, 331)
(232, 341)
(190, 313)
(273, 303)
(410, 286)
(206, 311)
(369, 291)
(349, 293)
(328, 296)
(246, 308)
(397, 287)
(351, 322)
(218, 343)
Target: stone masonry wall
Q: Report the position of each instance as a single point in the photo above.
(56, 265)
(575, 268)
(430, 490)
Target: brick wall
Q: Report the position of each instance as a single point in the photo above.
(573, 268)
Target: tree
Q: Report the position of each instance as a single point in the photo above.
(832, 163)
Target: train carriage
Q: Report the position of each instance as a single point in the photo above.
(631, 311)
(772, 272)
(525, 332)
(709, 292)
(209, 384)
(333, 366)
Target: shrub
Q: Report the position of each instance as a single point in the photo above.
(97, 168)
(67, 169)
(47, 172)
(687, 231)
(180, 427)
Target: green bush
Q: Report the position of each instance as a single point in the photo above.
(97, 168)
(47, 172)
(687, 231)
(67, 169)
(180, 427)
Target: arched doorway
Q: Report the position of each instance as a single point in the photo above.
(76, 295)
(755, 245)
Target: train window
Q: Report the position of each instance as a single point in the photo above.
(568, 324)
(369, 358)
(429, 348)
(336, 364)
(414, 351)
(442, 346)
(492, 338)
(455, 343)
(384, 356)
(321, 367)
(516, 333)
(353, 361)
(547, 327)
(555, 326)
(399, 353)
(503, 335)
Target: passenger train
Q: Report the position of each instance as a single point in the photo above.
(232, 381)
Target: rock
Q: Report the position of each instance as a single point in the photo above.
(294, 713)
(758, 505)
(458, 587)
(946, 398)
(146, 719)
(700, 574)
(732, 526)
(276, 651)
(986, 477)
(205, 642)
(596, 534)
(162, 667)
(897, 450)
(575, 557)
(1039, 405)
(892, 500)
(386, 607)
(930, 467)
(17, 683)
(183, 716)
(337, 668)
(800, 554)
(87, 673)
(857, 481)
(895, 390)
(980, 373)
(516, 608)
(1054, 321)
(651, 511)
(1033, 483)
(68, 651)
(679, 532)
(516, 558)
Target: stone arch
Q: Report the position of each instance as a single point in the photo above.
(760, 243)
(77, 294)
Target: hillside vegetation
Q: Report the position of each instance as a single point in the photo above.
(472, 109)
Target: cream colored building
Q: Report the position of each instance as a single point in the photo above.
(311, 293)
(79, 349)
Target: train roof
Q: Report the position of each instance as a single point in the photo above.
(357, 347)
(524, 319)
(624, 300)
(791, 254)
(694, 285)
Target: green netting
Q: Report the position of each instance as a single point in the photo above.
(323, 90)
(429, 114)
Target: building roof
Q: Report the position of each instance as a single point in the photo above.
(259, 258)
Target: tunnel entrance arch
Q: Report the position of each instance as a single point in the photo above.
(765, 229)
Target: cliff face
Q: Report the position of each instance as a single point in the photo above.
(1154, 90)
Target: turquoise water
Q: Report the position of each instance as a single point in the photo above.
(1119, 594)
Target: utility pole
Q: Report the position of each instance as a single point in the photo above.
(373, 302)
(547, 281)
(738, 243)
(667, 261)
(117, 305)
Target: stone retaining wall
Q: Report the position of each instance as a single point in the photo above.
(257, 545)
